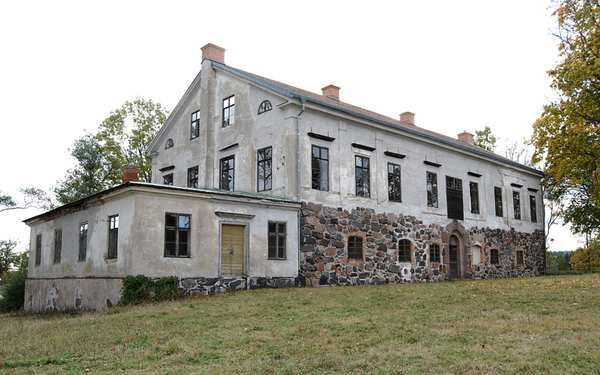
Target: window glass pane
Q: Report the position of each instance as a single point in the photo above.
(184, 221)
(171, 220)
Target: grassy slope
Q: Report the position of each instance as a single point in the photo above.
(541, 325)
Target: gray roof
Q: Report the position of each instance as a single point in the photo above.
(301, 95)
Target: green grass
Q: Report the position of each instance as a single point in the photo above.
(547, 325)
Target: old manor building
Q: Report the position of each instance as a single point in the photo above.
(256, 183)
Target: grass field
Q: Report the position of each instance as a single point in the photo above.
(548, 325)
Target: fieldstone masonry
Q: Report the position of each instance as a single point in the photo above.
(324, 254)
(207, 285)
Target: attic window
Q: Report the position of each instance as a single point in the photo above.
(265, 106)
(169, 143)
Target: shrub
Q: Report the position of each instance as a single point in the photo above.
(12, 293)
(140, 288)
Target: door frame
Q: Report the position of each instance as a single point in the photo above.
(245, 264)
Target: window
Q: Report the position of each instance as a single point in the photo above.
(228, 111)
(113, 236)
(454, 198)
(532, 209)
(177, 235)
(494, 256)
(475, 255)
(520, 259)
(195, 125)
(277, 237)
(265, 106)
(362, 176)
(432, 190)
(264, 169)
(192, 177)
(320, 168)
(57, 245)
(517, 204)
(394, 183)
(355, 247)
(498, 200)
(404, 251)
(38, 249)
(227, 180)
(83, 231)
(168, 179)
(169, 143)
(474, 190)
(434, 252)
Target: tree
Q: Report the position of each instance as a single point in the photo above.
(485, 139)
(90, 175)
(125, 135)
(520, 152)
(32, 198)
(567, 134)
(587, 259)
(8, 257)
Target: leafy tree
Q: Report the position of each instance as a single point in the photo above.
(567, 134)
(8, 257)
(90, 175)
(12, 293)
(32, 198)
(587, 259)
(485, 139)
(125, 135)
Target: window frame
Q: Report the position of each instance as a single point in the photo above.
(280, 251)
(403, 251)
(195, 125)
(38, 249)
(434, 249)
(177, 234)
(433, 196)
(533, 208)
(352, 249)
(57, 253)
(498, 204)
(113, 229)
(323, 175)
(263, 162)
(264, 106)
(517, 205)
(391, 176)
(364, 171)
(190, 179)
(494, 257)
(83, 238)
(230, 109)
(232, 168)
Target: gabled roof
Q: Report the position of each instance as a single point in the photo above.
(297, 94)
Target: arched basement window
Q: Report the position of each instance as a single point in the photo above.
(355, 247)
(169, 143)
(265, 106)
(494, 256)
(404, 251)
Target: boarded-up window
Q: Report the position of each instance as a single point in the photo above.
(494, 256)
(113, 236)
(474, 192)
(498, 200)
(38, 249)
(277, 240)
(434, 252)
(432, 190)
(57, 245)
(355, 247)
(320, 168)
(83, 232)
(404, 251)
(177, 235)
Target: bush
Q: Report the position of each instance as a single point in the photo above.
(12, 293)
(140, 288)
(587, 259)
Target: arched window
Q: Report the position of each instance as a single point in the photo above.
(265, 106)
(169, 143)
(494, 256)
(404, 251)
(475, 255)
(355, 247)
(434, 252)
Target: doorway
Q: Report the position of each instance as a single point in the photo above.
(233, 240)
(453, 257)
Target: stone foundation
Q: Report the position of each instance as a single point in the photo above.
(207, 285)
(324, 254)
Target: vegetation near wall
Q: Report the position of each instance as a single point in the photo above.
(587, 259)
(139, 289)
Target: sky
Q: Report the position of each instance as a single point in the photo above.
(460, 65)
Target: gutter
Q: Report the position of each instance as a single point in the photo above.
(298, 185)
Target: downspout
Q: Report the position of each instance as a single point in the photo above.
(298, 185)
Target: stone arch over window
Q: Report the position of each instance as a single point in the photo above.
(169, 143)
(404, 251)
(475, 255)
(265, 106)
(355, 247)
(435, 252)
(494, 257)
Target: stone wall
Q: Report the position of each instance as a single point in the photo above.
(215, 285)
(324, 248)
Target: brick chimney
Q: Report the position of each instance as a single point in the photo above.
(331, 91)
(130, 173)
(407, 118)
(213, 52)
(466, 137)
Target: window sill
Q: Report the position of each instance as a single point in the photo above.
(177, 257)
(111, 260)
(277, 259)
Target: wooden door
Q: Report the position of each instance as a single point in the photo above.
(232, 249)
(453, 257)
